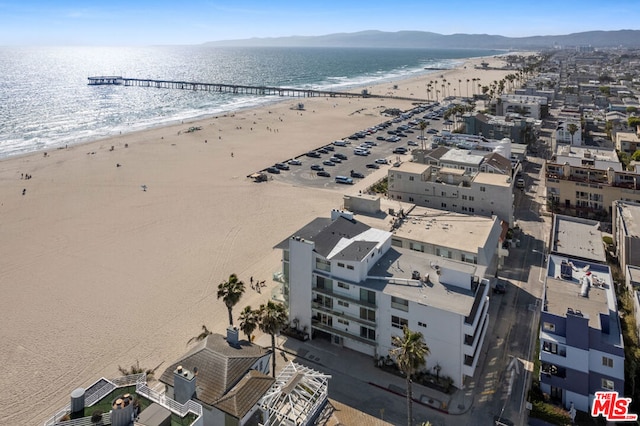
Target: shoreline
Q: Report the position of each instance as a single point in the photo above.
(114, 255)
(417, 73)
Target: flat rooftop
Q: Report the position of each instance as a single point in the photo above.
(634, 274)
(411, 167)
(462, 156)
(495, 179)
(577, 237)
(563, 291)
(446, 229)
(630, 215)
(395, 269)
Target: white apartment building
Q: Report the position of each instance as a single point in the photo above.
(463, 190)
(563, 135)
(525, 105)
(344, 281)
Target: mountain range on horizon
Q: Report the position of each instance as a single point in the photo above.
(425, 39)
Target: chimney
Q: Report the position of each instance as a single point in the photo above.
(232, 336)
(184, 385)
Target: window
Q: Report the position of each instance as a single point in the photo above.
(411, 199)
(471, 210)
(398, 322)
(343, 321)
(607, 362)
(464, 197)
(554, 348)
(422, 324)
(368, 314)
(444, 194)
(549, 326)
(443, 205)
(323, 264)
(471, 198)
(410, 177)
(367, 333)
(340, 265)
(343, 285)
(483, 189)
(350, 267)
(368, 296)
(607, 384)
(398, 303)
(343, 303)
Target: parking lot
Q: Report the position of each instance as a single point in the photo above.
(381, 149)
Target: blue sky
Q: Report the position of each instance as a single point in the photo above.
(143, 22)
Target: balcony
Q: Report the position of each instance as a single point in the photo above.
(344, 297)
(329, 329)
(328, 310)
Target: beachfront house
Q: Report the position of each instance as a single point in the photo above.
(118, 401)
(225, 375)
(347, 283)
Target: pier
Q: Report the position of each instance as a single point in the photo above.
(234, 88)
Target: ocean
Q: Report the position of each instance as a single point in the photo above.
(46, 101)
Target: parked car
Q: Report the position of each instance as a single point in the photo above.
(335, 159)
(340, 156)
(400, 150)
(339, 143)
(372, 166)
(294, 162)
(317, 168)
(380, 138)
(412, 143)
(382, 161)
(499, 288)
(328, 163)
(362, 152)
(323, 174)
(323, 151)
(273, 170)
(329, 148)
(344, 180)
(355, 174)
(281, 166)
(432, 131)
(313, 154)
(520, 183)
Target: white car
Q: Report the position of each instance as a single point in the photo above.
(340, 143)
(382, 161)
(362, 152)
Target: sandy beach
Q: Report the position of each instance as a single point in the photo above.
(112, 251)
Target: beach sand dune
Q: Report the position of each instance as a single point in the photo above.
(113, 250)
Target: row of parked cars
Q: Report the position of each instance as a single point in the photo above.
(363, 149)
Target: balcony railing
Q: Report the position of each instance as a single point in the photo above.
(344, 297)
(322, 308)
(329, 329)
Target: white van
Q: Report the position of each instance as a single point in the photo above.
(340, 143)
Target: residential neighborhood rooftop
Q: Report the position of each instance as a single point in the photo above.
(630, 215)
(577, 237)
(575, 287)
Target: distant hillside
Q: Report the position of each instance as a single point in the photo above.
(423, 39)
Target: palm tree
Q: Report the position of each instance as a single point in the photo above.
(572, 128)
(459, 90)
(248, 321)
(272, 318)
(203, 335)
(409, 353)
(422, 125)
(467, 88)
(231, 291)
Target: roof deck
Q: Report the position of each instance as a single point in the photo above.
(575, 287)
(393, 275)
